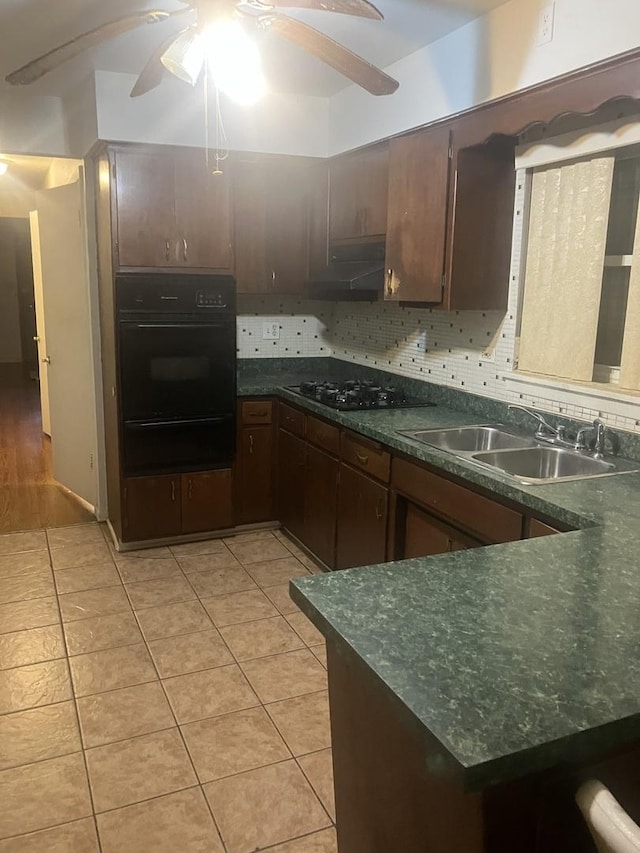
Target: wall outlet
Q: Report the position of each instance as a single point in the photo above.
(271, 331)
(545, 24)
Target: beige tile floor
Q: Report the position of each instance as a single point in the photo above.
(166, 700)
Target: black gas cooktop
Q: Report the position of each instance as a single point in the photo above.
(353, 394)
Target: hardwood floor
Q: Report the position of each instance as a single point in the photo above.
(29, 496)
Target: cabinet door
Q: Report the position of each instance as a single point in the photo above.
(255, 470)
(145, 203)
(425, 535)
(250, 240)
(203, 213)
(320, 505)
(479, 241)
(362, 520)
(344, 204)
(373, 190)
(318, 217)
(358, 188)
(291, 479)
(416, 222)
(151, 507)
(287, 225)
(207, 501)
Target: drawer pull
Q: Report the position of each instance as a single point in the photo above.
(362, 459)
(262, 414)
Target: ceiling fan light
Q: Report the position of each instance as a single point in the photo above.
(3, 167)
(234, 61)
(185, 56)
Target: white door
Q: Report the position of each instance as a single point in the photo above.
(65, 291)
(41, 331)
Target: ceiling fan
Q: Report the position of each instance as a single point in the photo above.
(261, 15)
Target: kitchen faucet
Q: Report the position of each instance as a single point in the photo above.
(556, 435)
(544, 432)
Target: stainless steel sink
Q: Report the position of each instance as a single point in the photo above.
(470, 439)
(545, 464)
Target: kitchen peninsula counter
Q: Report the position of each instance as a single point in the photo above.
(488, 675)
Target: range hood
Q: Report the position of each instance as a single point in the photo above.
(355, 272)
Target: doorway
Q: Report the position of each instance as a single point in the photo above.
(37, 490)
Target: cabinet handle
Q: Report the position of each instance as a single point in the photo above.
(173, 490)
(379, 512)
(389, 282)
(250, 443)
(362, 459)
(273, 279)
(185, 249)
(258, 414)
(190, 489)
(167, 250)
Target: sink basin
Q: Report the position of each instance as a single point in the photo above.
(470, 439)
(545, 464)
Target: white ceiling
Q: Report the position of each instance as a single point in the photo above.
(29, 28)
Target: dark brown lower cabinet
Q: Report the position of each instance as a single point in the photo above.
(207, 501)
(425, 535)
(254, 473)
(320, 504)
(157, 507)
(291, 482)
(362, 520)
(151, 507)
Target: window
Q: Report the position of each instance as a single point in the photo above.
(580, 311)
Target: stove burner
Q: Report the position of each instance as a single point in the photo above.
(354, 394)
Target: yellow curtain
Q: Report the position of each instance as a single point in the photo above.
(630, 361)
(564, 265)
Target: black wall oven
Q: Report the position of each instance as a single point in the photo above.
(177, 357)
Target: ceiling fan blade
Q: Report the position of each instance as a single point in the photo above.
(37, 68)
(359, 8)
(153, 71)
(343, 60)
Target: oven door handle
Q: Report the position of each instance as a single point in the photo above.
(189, 422)
(206, 325)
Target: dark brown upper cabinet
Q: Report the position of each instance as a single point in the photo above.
(479, 225)
(169, 211)
(272, 223)
(358, 188)
(449, 220)
(417, 215)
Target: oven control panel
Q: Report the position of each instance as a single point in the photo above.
(210, 299)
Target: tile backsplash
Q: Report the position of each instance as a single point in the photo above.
(303, 327)
(470, 351)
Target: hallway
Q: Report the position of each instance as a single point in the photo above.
(29, 496)
(173, 699)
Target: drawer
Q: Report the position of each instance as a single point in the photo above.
(256, 412)
(367, 456)
(323, 435)
(292, 419)
(489, 520)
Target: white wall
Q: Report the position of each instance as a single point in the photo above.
(81, 119)
(31, 124)
(10, 345)
(490, 57)
(173, 114)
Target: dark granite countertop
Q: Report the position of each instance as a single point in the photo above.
(514, 657)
